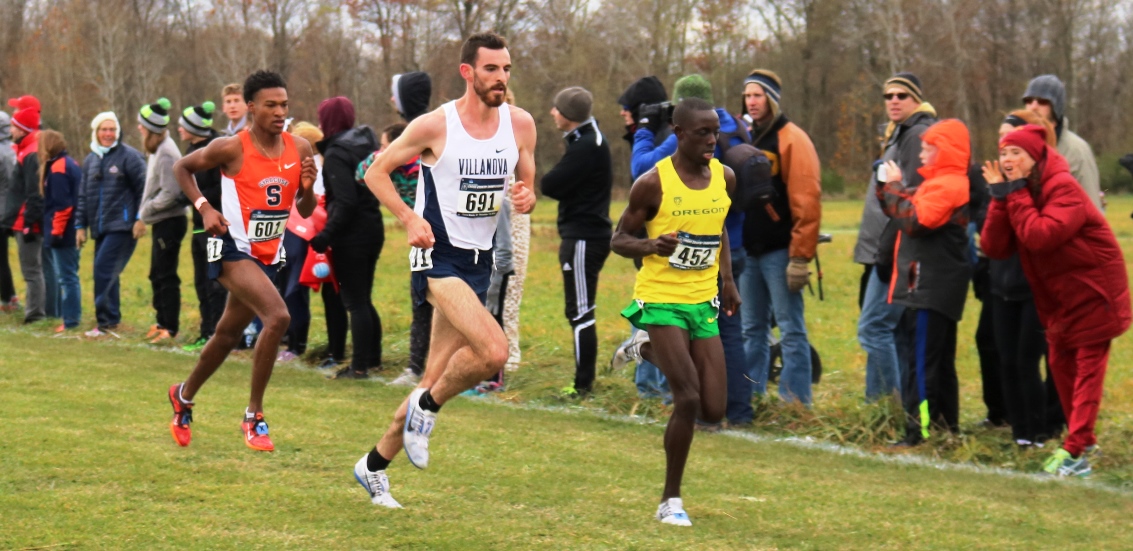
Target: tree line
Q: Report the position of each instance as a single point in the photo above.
(974, 58)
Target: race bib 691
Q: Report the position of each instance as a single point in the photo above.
(480, 197)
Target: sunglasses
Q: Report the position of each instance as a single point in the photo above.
(1040, 101)
(899, 95)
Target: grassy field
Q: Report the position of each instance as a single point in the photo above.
(86, 460)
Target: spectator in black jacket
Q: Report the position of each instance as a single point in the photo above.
(24, 208)
(353, 231)
(581, 183)
(195, 128)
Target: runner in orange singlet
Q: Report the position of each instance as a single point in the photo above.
(264, 171)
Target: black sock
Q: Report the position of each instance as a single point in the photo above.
(427, 403)
(375, 462)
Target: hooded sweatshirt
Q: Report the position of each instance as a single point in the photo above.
(353, 215)
(1069, 253)
(411, 93)
(162, 198)
(931, 266)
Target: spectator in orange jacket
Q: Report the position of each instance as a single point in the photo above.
(930, 273)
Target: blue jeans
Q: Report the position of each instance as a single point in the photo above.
(111, 253)
(648, 378)
(763, 288)
(881, 340)
(66, 261)
(731, 336)
(53, 306)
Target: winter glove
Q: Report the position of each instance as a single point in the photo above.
(30, 236)
(798, 275)
(1001, 190)
(320, 242)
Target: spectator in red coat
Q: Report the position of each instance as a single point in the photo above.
(1077, 275)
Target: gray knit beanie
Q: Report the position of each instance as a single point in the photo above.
(574, 103)
(155, 116)
(1050, 88)
(197, 120)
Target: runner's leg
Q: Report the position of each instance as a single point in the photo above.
(485, 347)
(669, 350)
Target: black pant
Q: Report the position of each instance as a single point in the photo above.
(297, 297)
(211, 295)
(420, 333)
(581, 261)
(354, 265)
(991, 371)
(931, 376)
(166, 284)
(7, 285)
(336, 323)
(1022, 344)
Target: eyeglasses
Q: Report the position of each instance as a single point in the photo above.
(899, 95)
(1040, 101)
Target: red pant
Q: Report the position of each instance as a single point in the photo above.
(1079, 374)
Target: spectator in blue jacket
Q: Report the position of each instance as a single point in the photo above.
(114, 176)
(59, 181)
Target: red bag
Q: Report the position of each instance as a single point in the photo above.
(317, 270)
(306, 228)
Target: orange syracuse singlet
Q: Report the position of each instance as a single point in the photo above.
(257, 200)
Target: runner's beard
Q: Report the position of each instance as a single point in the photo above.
(484, 92)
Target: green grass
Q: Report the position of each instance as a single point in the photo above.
(86, 460)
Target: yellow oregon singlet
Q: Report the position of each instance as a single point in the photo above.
(688, 276)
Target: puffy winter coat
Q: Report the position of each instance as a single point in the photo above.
(1069, 253)
(60, 189)
(111, 192)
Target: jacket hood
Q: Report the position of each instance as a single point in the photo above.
(5, 126)
(644, 91)
(411, 94)
(951, 137)
(359, 142)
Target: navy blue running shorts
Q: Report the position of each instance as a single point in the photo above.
(471, 266)
(223, 249)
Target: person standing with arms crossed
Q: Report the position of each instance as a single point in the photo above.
(469, 148)
(262, 171)
(682, 204)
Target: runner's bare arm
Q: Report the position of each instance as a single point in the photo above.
(307, 199)
(418, 137)
(644, 200)
(523, 192)
(219, 153)
(729, 294)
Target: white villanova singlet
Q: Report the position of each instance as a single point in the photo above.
(464, 189)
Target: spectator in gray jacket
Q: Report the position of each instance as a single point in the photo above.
(8, 299)
(909, 116)
(163, 207)
(1046, 96)
(114, 175)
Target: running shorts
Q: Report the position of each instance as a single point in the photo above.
(223, 249)
(471, 266)
(698, 319)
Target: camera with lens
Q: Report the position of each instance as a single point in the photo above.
(655, 115)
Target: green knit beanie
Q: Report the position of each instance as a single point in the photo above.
(692, 86)
(155, 116)
(197, 120)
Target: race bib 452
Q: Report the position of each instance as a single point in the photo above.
(694, 252)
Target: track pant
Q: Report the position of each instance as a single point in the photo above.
(1079, 374)
(991, 368)
(31, 265)
(166, 284)
(581, 261)
(354, 266)
(1021, 345)
(211, 295)
(932, 391)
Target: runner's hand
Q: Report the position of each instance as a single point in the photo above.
(309, 172)
(214, 222)
(730, 298)
(522, 198)
(420, 233)
(665, 244)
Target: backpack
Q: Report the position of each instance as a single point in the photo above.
(754, 186)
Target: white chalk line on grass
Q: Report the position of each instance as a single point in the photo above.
(806, 443)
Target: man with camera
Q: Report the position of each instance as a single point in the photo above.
(780, 234)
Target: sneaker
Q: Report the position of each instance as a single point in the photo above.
(487, 387)
(1023, 443)
(621, 358)
(568, 392)
(13, 305)
(1092, 452)
(1063, 464)
(286, 356)
(256, 433)
(161, 335)
(328, 363)
(98, 333)
(153, 331)
(182, 416)
(672, 511)
(349, 373)
(60, 328)
(195, 346)
(633, 349)
(375, 482)
(407, 378)
(418, 426)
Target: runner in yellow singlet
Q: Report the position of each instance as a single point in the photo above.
(682, 203)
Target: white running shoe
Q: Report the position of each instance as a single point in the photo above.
(407, 378)
(672, 511)
(633, 349)
(375, 482)
(418, 426)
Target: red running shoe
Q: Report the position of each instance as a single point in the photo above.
(256, 433)
(182, 416)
